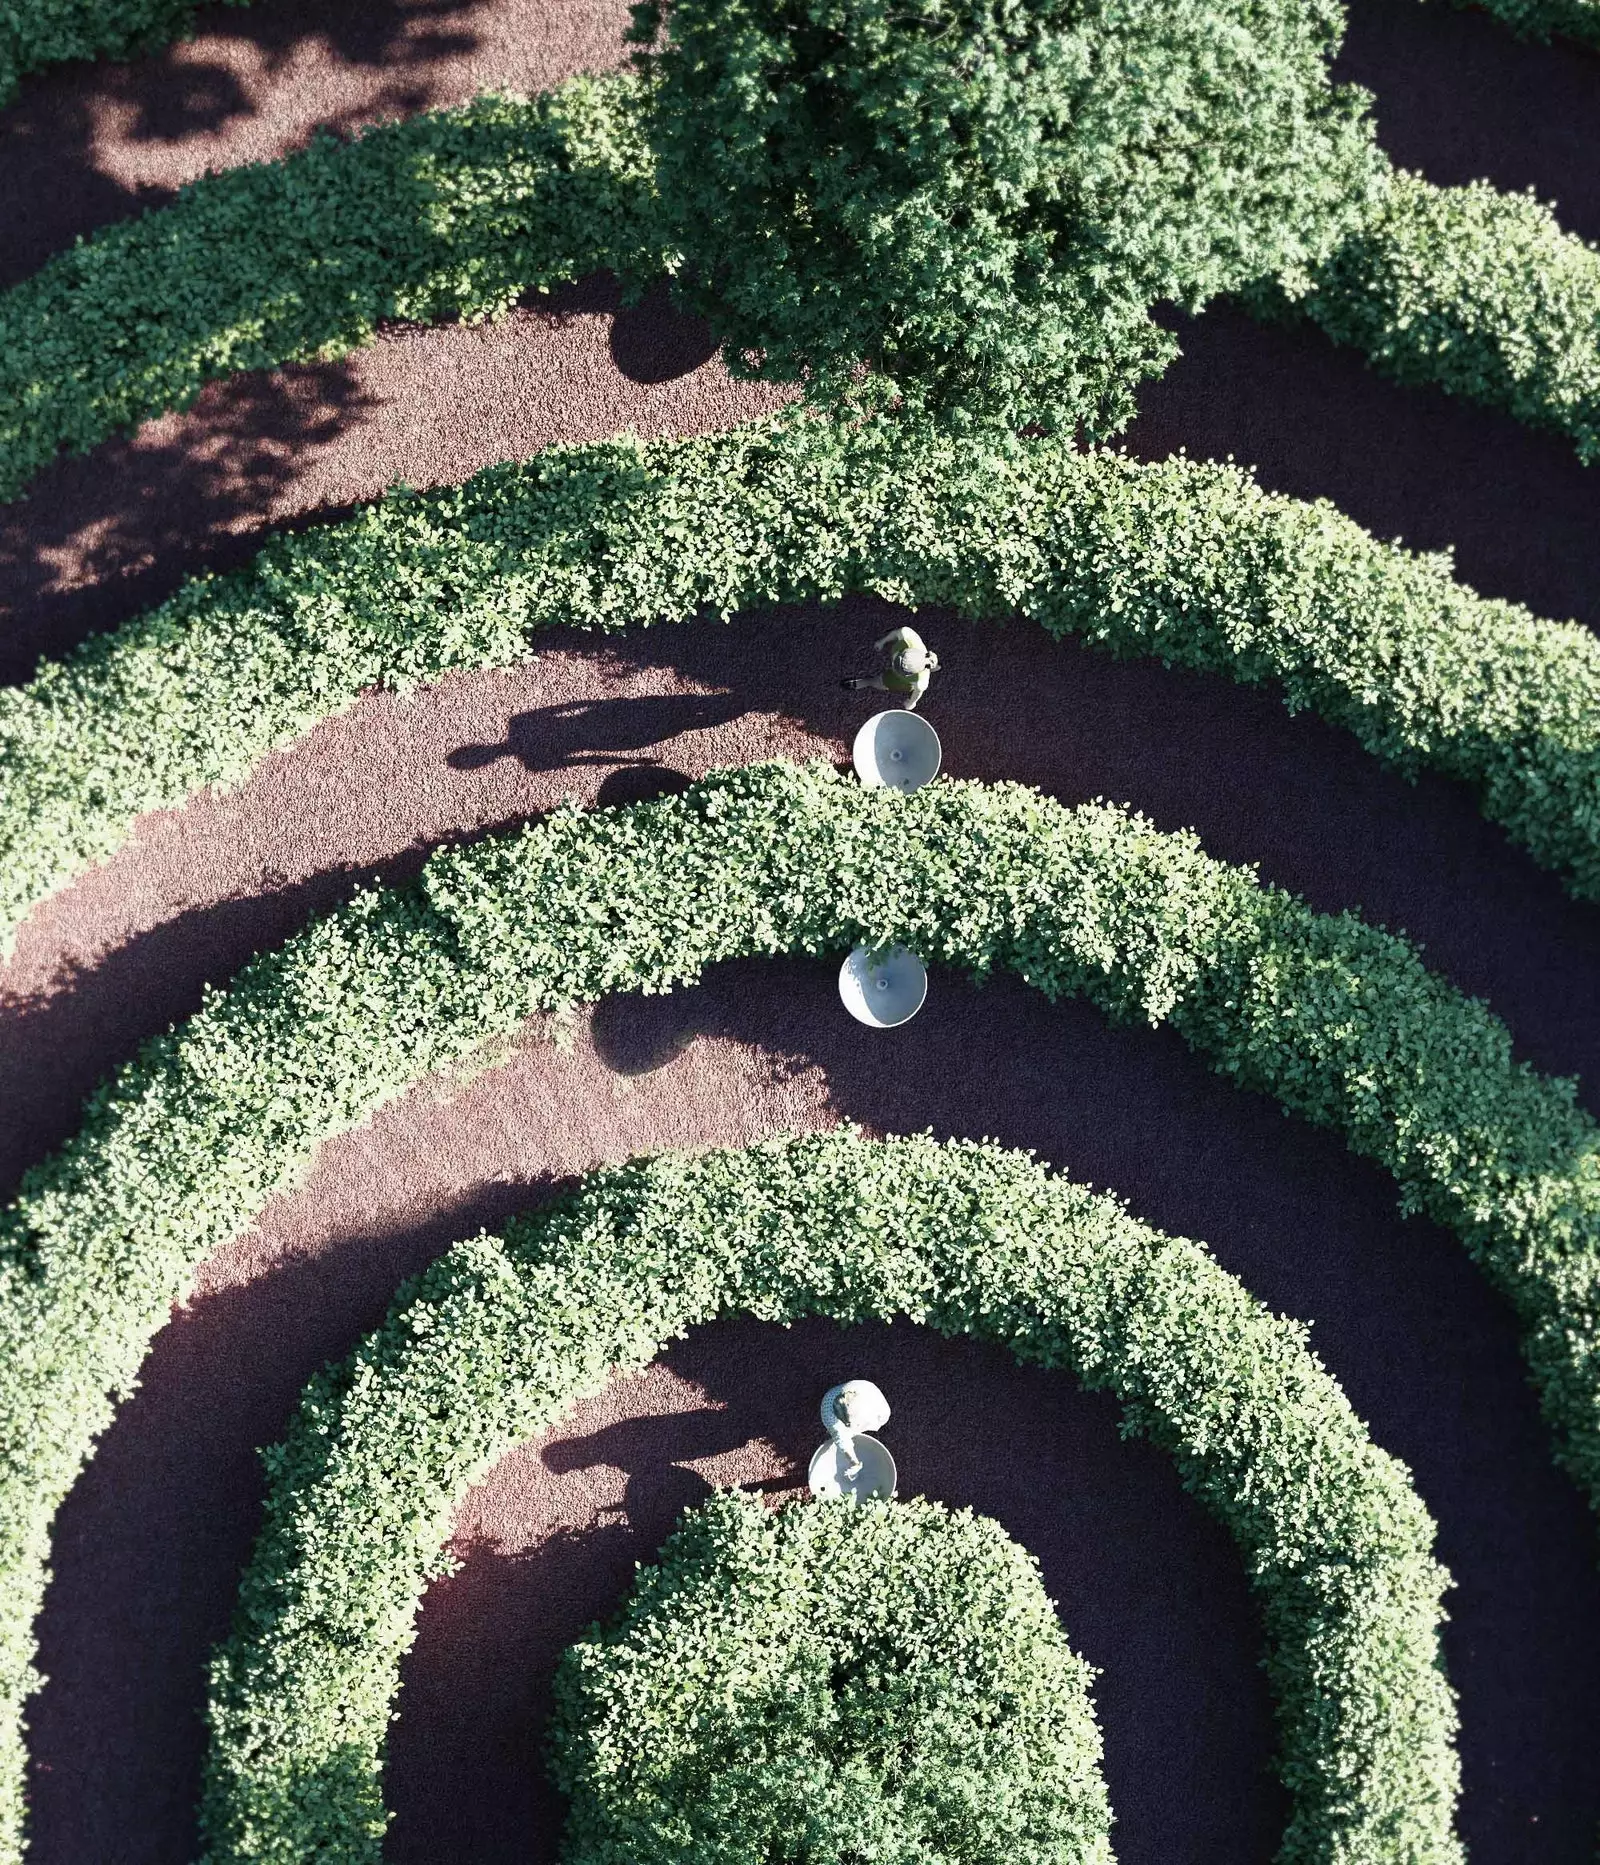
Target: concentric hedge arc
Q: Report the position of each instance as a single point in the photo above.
(497, 1338)
(889, 1679)
(1340, 1021)
(447, 214)
(1189, 562)
(458, 213)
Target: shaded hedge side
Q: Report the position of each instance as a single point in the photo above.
(1341, 1022)
(1190, 562)
(498, 1338)
(1545, 19)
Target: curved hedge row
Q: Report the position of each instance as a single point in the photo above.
(889, 1679)
(1340, 1021)
(1186, 561)
(449, 214)
(457, 213)
(1475, 291)
(497, 1338)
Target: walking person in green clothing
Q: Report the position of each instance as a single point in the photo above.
(911, 666)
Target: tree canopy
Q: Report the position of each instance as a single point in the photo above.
(969, 206)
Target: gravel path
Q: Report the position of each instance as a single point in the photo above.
(153, 1538)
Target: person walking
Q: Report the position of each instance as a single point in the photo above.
(910, 666)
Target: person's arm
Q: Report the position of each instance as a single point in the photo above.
(901, 637)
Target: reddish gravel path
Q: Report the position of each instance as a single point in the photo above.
(153, 1537)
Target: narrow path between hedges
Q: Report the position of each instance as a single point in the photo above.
(152, 1539)
(164, 1516)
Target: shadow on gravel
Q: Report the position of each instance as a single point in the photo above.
(1459, 99)
(1292, 795)
(557, 738)
(103, 536)
(55, 186)
(1521, 516)
(154, 1534)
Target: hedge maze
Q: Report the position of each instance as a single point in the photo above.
(945, 227)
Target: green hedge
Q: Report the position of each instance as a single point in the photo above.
(889, 1680)
(36, 33)
(1186, 561)
(983, 199)
(1340, 1021)
(1477, 292)
(450, 214)
(498, 1338)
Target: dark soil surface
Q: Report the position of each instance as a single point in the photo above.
(152, 1540)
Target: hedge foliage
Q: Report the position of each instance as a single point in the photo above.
(1340, 1021)
(37, 33)
(1477, 292)
(450, 214)
(497, 1338)
(856, 1681)
(1186, 561)
(981, 199)
(457, 213)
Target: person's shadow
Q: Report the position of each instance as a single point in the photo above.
(654, 1455)
(553, 738)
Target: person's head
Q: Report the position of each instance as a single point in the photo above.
(914, 658)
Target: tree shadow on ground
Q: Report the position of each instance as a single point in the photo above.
(104, 536)
(56, 185)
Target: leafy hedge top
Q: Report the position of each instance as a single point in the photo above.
(982, 198)
(497, 1338)
(887, 1680)
(1338, 1020)
(1187, 561)
(448, 214)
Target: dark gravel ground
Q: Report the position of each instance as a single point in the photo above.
(152, 1539)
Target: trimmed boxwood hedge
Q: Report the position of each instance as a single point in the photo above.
(457, 213)
(1475, 291)
(448, 214)
(499, 1337)
(1190, 562)
(1337, 1019)
(884, 1680)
